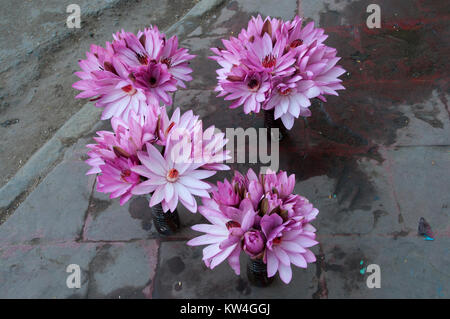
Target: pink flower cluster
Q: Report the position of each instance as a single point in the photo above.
(262, 217)
(133, 72)
(129, 163)
(277, 65)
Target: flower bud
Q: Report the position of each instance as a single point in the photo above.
(253, 243)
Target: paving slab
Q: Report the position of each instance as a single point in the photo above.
(410, 267)
(55, 210)
(123, 270)
(182, 274)
(421, 182)
(108, 221)
(39, 271)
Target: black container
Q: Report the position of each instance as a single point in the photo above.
(270, 122)
(165, 223)
(257, 273)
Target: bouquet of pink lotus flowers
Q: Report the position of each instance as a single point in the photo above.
(128, 163)
(130, 78)
(133, 72)
(278, 66)
(262, 217)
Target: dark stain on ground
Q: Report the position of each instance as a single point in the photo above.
(377, 215)
(347, 266)
(359, 57)
(96, 206)
(338, 253)
(233, 5)
(139, 209)
(397, 234)
(34, 241)
(243, 287)
(428, 116)
(102, 259)
(9, 122)
(176, 265)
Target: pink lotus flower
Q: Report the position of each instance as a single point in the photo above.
(156, 81)
(291, 100)
(176, 60)
(126, 139)
(141, 50)
(286, 243)
(280, 65)
(151, 46)
(117, 178)
(224, 235)
(263, 56)
(303, 36)
(261, 216)
(205, 147)
(115, 91)
(249, 89)
(96, 59)
(225, 194)
(318, 64)
(133, 73)
(170, 180)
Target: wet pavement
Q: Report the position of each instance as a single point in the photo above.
(373, 160)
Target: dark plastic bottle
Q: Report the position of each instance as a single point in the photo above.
(165, 223)
(270, 122)
(257, 273)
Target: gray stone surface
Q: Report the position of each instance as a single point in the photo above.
(123, 270)
(430, 116)
(38, 59)
(420, 177)
(55, 210)
(182, 274)
(39, 271)
(49, 154)
(410, 267)
(108, 221)
(353, 208)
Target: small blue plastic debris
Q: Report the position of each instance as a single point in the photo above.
(363, 270)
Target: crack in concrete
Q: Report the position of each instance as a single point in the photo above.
(322, 290)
